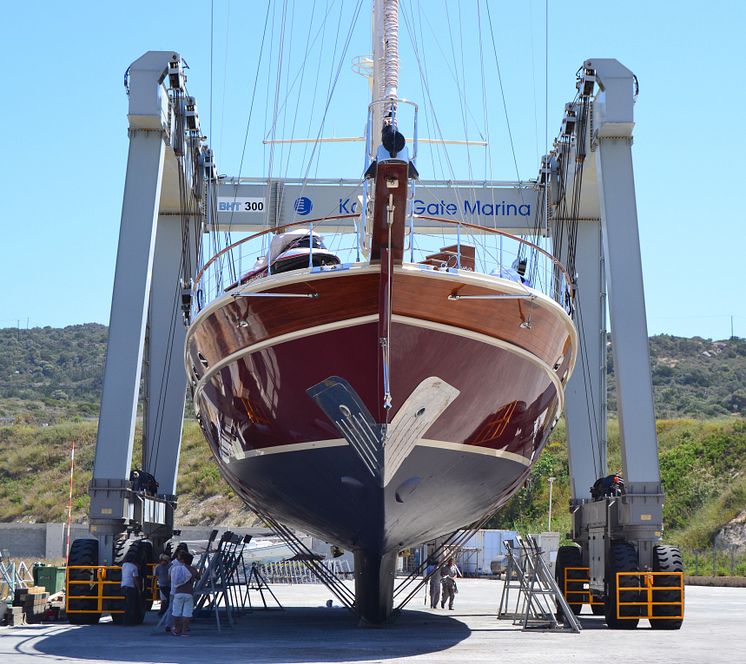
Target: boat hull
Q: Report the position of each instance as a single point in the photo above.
(471, 409)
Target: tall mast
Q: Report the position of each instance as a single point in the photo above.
(385, 66)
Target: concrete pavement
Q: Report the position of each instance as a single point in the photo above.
(714, 631)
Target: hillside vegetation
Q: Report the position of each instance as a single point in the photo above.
(50, 384)
(50, 375)
(694, 377)
(35, 476)
(702, 468)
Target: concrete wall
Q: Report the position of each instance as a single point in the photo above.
(43, 541)
(48, 541)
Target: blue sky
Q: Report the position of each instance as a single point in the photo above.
(64, 117)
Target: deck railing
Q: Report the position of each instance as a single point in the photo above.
(484, 250)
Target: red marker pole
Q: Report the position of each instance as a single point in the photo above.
(70, 500)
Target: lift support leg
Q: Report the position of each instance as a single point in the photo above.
(145, 305)
(608, 256)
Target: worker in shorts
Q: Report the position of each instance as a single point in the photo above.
(182, 603)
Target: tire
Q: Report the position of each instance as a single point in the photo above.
(622, 558)
(570, 556)
(667, 559)
(82, 552)
(598, 609)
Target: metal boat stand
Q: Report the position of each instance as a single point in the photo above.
(221, 578)
(540, 602)
(258, 583)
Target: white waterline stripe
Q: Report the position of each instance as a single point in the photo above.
(292, 447)
(475, 449)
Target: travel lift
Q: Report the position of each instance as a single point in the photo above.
(594, 212)
(169, 202)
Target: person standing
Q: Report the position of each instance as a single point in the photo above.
(433, 583)
(131, 589)
(448, 573)
(164, 582)
(182, 583)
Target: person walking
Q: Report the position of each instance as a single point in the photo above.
(131, 589)
(448, 573)
(433, 583)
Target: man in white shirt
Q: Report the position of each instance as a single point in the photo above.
(131, 589)
(182, 576)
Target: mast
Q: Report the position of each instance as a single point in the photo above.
(385, 68)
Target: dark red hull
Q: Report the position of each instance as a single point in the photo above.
(471, 407)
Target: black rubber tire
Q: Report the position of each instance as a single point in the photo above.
(570, 556)
(666, 559)
(82, 552)
(598, 609)
(622, 558)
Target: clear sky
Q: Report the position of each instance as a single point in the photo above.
(64, 116)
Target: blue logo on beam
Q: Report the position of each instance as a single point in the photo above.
(303, 205)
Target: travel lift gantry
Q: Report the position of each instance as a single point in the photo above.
(594, 212)
(166, 202)
(161, 213)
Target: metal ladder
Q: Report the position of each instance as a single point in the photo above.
(540, 600)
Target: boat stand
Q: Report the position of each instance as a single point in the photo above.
(450, 546)
(534, 608)
(223, 575)
(258, 583)
(327, 576)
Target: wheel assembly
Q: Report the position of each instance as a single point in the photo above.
(667, 559)
(83, 552)
(622, 558)
(573, 592)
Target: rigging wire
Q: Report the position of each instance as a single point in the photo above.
(533, 80)
(312, 109)
(278, 81)
(288, 60)
(332, 88)
(212, 51)
(225, 78)
(268, 84)
(502, 93)
(328, 94)
(300, 87)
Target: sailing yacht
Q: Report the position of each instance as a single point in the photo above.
(381, 401)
